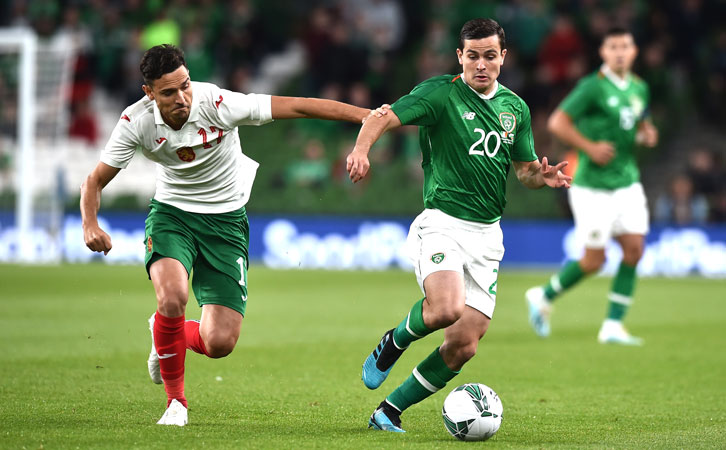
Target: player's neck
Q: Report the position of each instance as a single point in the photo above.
(621, 79)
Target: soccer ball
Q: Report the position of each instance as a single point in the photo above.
(472, 412)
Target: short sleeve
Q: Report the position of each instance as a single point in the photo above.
(235, 109)
(424, 104)
(523, 149)
(579, 100)
(122, 144)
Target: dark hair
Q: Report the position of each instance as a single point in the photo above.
(480, 29)
(160, 60)
(615, 31)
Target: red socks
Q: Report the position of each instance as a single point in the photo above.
(194, 339)
(170, 342)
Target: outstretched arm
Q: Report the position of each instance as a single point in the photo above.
(316, 108)
(561, 125)
(370, 132)
(535, 175)
(96, 239)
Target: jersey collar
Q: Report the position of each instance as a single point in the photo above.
(620, 83)
(482, 96)
(193, 111)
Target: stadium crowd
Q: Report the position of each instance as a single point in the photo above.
(369, 52)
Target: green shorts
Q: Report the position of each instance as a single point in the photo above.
(212, 246)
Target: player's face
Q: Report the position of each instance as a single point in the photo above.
(481, 60)
(618, 52)
(173, 95)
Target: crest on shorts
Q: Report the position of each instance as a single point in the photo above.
(436, 258)
(186, 154)
(149, 245)
(508, 121)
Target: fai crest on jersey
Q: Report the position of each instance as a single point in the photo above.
(436, 258)
(508, 121)
(186, 154)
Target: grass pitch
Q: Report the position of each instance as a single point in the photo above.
(74, 340)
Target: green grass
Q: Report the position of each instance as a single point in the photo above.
(74, 340)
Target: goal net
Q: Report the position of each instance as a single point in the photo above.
(35, 79)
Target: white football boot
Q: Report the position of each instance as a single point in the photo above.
(613, 332)
(176, 414)
(539, 311)
(153, 361)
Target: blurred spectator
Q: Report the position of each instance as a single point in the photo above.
(562, 55)
(680, 205)
(163, 30)
(84, 124)
(706, 174)
(718, 208)
(312, 170)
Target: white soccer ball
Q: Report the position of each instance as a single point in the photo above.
(472, 412)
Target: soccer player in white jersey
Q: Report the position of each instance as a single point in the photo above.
(197, 221)
(604, 117)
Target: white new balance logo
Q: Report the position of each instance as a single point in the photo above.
(468, 115)
(167, 355)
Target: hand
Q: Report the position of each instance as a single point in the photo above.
(357, 164)
(601, 152)
(647, 135)
(96, 239)
(378, 112)
(553, 176)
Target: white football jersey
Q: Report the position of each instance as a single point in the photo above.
(200, 168)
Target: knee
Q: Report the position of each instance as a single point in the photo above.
(456, 354)
(445, 313)
(219, 346)
(171, 304)
(592, 263)
(632, 254)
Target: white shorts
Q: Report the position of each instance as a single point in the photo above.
(601, 214)
(437, 241)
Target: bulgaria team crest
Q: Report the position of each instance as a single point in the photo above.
(186, 154)
(149, 245)
(508, 121)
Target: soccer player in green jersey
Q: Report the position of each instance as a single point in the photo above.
(471, 130)
(197, 221)
(604, 117)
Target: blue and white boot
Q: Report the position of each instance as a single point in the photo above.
(379, 363)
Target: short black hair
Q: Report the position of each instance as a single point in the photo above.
(160, 60)
(480, 29)
(615, 30)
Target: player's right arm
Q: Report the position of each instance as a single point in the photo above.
(357, 162)
(95, 238)
(561, 125)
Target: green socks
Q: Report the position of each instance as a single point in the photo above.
(428, 377)
(621, 293)
(412, 328)
(567, 277)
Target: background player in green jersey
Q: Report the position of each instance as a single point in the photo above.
(471, 130)
(604, 117)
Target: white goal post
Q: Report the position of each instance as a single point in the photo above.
(42, 79)
(25, 43)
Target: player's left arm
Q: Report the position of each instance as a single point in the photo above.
(529, 170)
(316, 108)
(535, 175)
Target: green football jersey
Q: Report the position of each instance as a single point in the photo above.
(468, 142)
(603, 111)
